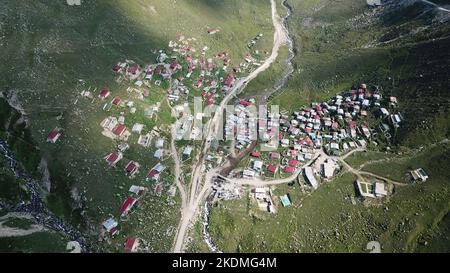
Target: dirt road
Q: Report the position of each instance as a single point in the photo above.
(360, 174)
(196, 195)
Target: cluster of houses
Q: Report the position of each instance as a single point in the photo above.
(253, 42)
(241, 124)
(340, 124)
(185, 71)
(334, 127)
(135, 192)
(111, 225)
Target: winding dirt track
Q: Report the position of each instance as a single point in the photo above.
(190, 206)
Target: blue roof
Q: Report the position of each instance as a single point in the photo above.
(285, 200)
(110, 223)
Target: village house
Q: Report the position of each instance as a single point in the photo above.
(158, 189)
(274, 155)
(133, 70)
(113, 158)
(110, 226)
(257, 165)
(172, 191)
(127, 205)
(380, 190)
(120, 130)
(159, 143)
(144, 140)
(285, 200)
(53, 136)
(104, 94)
(272, 168)
(158, 153)
(155, 172)
(109, 123)
(248, 174)
(123, 147)
(263, 197)
(137, 128)
(328, 168)
(137, 190)
(419, 175)
(229, 81)
(132, 168)
(212, 31)
(289, 169)
(132, 244)
(116, 101)
(310, 178)
(187, 151)
(374, 189)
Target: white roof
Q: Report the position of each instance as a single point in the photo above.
(110, 224)
(138, 127)
(135, 189)
(310, 177)
(187, 150)
(380, 189)
(257, 164)
(159, 143)
(328, 169)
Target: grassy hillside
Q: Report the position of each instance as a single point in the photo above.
(51, 52)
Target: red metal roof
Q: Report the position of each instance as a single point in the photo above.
(53, 134)
(112, 157)
(152, 173)
(104, 92)
(131, 167)
(158, 188)
(274, 155)
(293, 163)
(119, 130)
(245, 103)
(272, 168)
(127, 204)
(129, 244)
(255, 154)
(289, 169)
(116, 101)
(114, 230)
(229, 80)
(352, 124)
(133, 69)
